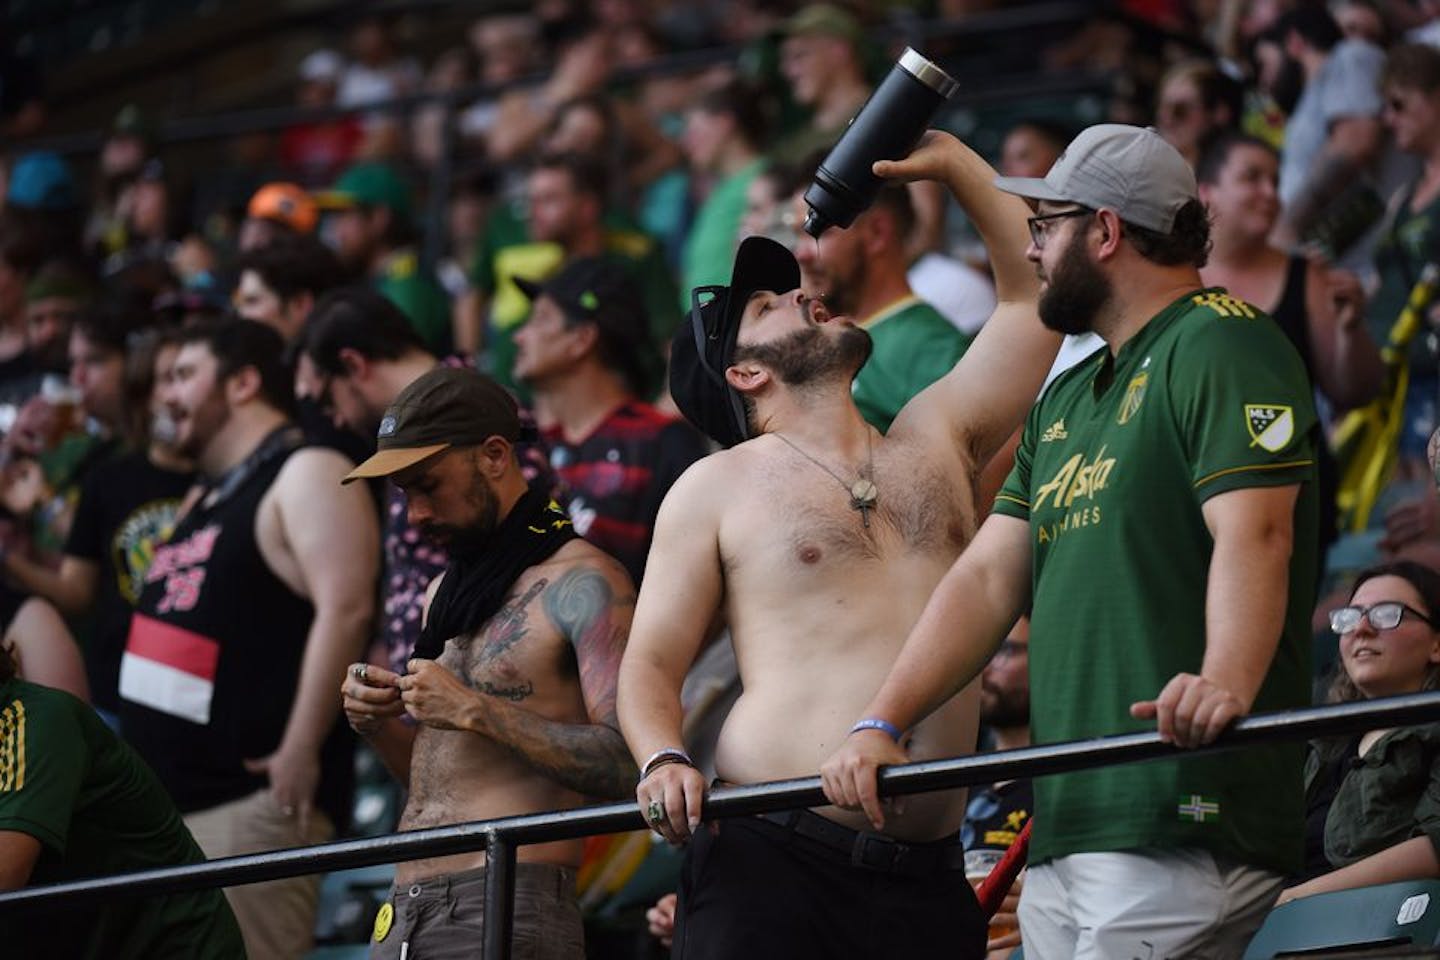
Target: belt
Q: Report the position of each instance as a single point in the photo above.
(873, 851)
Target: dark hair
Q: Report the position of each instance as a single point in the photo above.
(1217, 88)
(293, 265)
(360, 319)
(1311, 19)
(1412, 66)
(20, 247)
(1217, 153)
(110, 323)
(741, 101)
(142, 347)
(9, 669)
(1187, 243)
(1427, 584)
(587, 175)
(237, 344)
(1053, 132)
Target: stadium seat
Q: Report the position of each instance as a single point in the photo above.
(1347, 921)
(350, 951)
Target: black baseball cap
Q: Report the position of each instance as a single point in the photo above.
(446, 407)
(602, 291)
(705, 345)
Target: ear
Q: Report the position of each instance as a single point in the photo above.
(584, 337)
(242, 386)
(878, 232)
(493, 457)
(1109, 234)
(747, 377)
(355, 364)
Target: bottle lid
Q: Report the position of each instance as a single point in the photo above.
(928, 73)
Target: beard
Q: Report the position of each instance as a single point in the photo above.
(469, 539)
(1004, 709)
(201, 426)
(1077, 291)
(808, 356)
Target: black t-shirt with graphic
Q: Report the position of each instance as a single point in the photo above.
(127, 506)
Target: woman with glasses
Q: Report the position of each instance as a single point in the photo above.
(1374, 799)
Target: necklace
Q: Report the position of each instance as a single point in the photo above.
(863, 492)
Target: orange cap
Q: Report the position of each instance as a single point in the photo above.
(285, 203)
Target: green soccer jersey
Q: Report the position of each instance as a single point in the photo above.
(1115, 463)
(913, 347)
(69, 782)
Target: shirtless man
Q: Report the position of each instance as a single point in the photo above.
(513, 682)
(820, 540)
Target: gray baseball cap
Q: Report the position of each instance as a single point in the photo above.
(1130, 170)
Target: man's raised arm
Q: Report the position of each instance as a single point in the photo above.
(984, 398)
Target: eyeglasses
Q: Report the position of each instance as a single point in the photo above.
(1382, 616)
(1040, 225)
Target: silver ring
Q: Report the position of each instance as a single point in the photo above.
(359, 670)
(656, 812)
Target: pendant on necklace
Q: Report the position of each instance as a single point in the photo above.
(862, 497)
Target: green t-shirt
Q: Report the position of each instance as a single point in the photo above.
(914, 347)
(97, 809)
(710, 247)
(419, 297)
(1411, 240)
(1115, 462)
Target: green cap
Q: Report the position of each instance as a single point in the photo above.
(446, 407)
(825, 19)
(367, 185)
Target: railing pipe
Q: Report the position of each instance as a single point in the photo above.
(728, 802)
(499, 896)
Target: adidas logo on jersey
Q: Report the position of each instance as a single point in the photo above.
(1056, 431)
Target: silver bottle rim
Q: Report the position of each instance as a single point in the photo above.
(928, 73)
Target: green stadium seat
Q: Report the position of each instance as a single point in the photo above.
(1358, 921)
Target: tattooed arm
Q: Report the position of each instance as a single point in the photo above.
(591, 605)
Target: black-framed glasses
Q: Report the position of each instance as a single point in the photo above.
(1040, 224)
(1385, 615)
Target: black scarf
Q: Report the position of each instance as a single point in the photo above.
(477, 583)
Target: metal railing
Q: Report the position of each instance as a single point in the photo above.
(500, 838)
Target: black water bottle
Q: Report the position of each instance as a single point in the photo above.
(886, 128)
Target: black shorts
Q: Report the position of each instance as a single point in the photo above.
(761, 890)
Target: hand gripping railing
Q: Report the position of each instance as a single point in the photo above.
(501, 837)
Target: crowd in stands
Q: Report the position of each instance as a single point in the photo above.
(189, 370)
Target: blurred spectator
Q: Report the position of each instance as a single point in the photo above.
(466, 213)
(79, 803)
(54, 298)
(567, 203)
(584, 352)
(1320, 308)
(507, 46)
(767, 206)
(280, 283)
(823, 63)
(146, 221)
(122, 156)
(376, 71)
(20, 256)
(1373, 813)
(1428, 30)
(581, 67)
(316, 152)
(1031, 147)
(275, 211)
(860, 272)
(40, 192)
(1197, 101)
(1334, 134)
(996, 813)
(374, 235)
(273, 557)
(1362, 20)
(127, 506)
(453, 70)
(724, 131)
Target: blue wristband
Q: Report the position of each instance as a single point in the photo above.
(884, 726)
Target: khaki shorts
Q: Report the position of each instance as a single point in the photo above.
(443, 917)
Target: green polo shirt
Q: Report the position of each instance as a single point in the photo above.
(1114, 465)
(913, 347)
(97, 809)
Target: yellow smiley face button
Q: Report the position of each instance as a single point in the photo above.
(383, 919)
